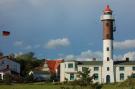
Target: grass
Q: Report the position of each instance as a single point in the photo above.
(52, 86)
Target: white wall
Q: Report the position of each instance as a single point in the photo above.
(91, 67)
(65, 71)
(127, 72)
(62, 72)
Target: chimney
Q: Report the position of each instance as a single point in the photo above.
(127, 59)
(94, 59)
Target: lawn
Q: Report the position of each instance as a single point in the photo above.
(52, 86)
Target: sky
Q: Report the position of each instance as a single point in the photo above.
(69, 29)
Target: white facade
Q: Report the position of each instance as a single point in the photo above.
(68, 70)
(98, 68)
(128, 71)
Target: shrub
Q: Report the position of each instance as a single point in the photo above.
(128, 83)
(7, 79)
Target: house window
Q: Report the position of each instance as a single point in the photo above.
(84, 69)
(133, 75)
(72, 76)
(96, 76)
(133, 68)
(96, 68)
(121, 76)
(107, 58)
(121, 68)
(107, 68)
(107, 49)
(65, 65)
(70, 65)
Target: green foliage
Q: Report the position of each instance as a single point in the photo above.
(96, 86)
(26, 56)
(85, 79)
(29, 78)
(28, 62)
(128, 83)
(43, 85)
(7, 79)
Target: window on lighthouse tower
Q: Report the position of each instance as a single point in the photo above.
(107, 58)
(107, 48)
(107, 24)
(107, 36)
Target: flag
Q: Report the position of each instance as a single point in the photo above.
(5, 33)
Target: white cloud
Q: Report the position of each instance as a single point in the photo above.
(18, 43)
(28, 47)
(70, 57)
(61, 42)
(130, 55)
(85, 56)
(124, 44)
(18, 54)
(36, 46)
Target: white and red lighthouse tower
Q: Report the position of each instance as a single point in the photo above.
(108, 29)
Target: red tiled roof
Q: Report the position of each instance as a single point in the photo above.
(53, 65)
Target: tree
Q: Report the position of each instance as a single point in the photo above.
(28, 62)
(85, 78)
(7, 78)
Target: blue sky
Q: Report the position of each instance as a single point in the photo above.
(65, 28)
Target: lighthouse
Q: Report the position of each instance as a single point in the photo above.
(108, 29)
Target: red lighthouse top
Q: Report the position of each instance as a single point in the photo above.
(107, 9)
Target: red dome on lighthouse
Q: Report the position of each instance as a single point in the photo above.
(107, 9)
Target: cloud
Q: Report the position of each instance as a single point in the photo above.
(130, 55)
(28, 47)
(18, 43)
(124, 44)
(89, 55)
(61, 42)
(37, 2)
(36, 46)
(85, 56)
(18, 54)
(8, 3)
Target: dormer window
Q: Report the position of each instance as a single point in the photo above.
(70, 65)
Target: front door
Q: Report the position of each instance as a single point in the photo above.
(108, 79)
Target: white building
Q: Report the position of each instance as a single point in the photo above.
(106, 71)
(122, 69)
(8, 66)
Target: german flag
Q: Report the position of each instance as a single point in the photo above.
(5, 33)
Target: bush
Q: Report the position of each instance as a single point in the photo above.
(128, 83)
(7, 79)
(96, 86)
(29, 78)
